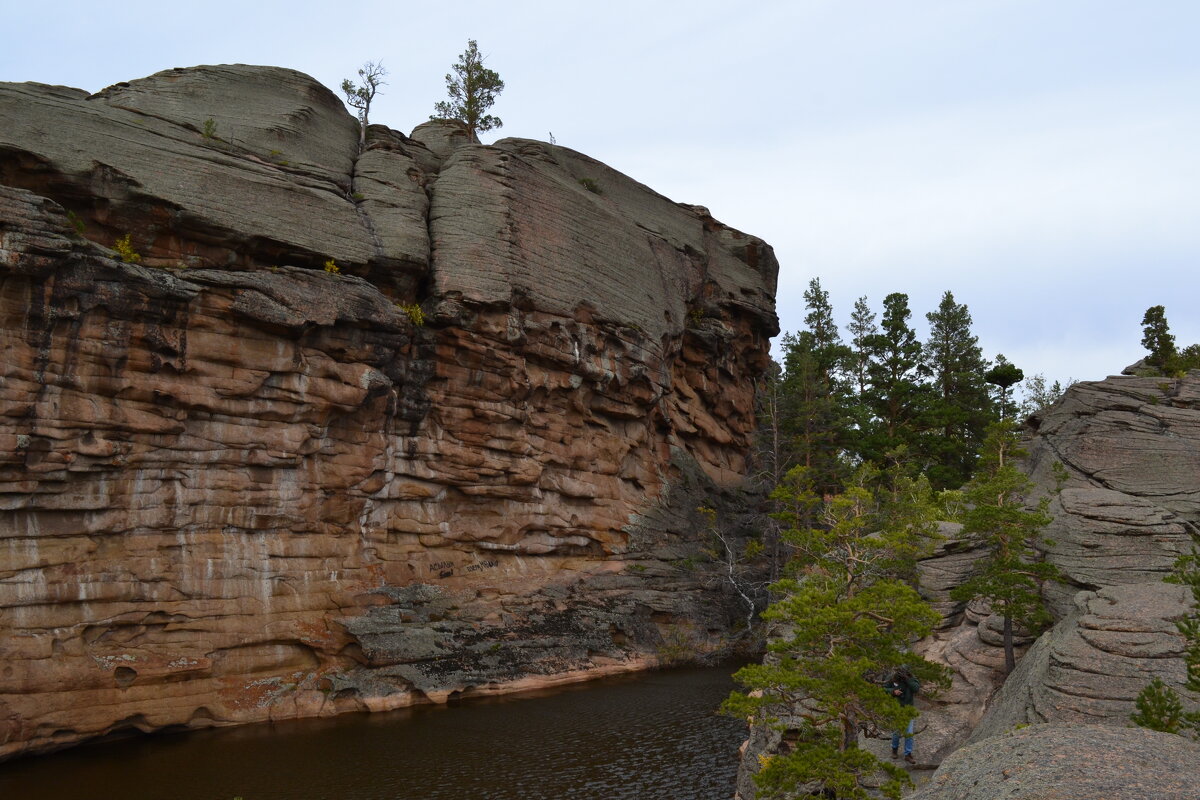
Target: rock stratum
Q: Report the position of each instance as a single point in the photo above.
(237, 485)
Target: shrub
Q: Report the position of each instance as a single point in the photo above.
(590, 185)
(124, 248)
(76, 222)
(332, 268)
(415, 315)
(210, 129)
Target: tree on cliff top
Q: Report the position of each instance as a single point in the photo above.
(472, 89)
(360, 97)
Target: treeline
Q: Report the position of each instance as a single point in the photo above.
(880, 394)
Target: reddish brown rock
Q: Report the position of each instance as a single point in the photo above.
(253, 489)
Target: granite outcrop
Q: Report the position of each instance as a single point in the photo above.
(355, 429)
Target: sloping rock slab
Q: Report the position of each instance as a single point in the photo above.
(1051, 762)
(1091, 666)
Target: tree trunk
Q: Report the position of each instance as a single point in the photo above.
(849, 733)
(1010, 661)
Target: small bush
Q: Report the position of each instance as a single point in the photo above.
(415, 315)
(76, 222)
(590, 185)
(332, 268)
(209, 130)
(124, 248)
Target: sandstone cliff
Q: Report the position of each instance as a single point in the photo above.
(235, 486)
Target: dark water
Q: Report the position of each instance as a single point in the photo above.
(653, 737)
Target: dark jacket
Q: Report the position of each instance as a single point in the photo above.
(908, 686)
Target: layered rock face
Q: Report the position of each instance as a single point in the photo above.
(238, 485)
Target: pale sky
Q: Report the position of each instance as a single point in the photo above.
(1039, 158)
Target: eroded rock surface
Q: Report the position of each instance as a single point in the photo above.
(235, 486)
(1059, 762)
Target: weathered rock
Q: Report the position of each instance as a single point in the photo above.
(255, 489)
(1131, 504)
(1090, 667)
(1054, 762)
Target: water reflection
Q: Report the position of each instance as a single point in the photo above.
(653, 737)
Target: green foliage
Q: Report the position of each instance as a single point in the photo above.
(124, 248)
(1156, 337)
(332, 268)
(76, 223)
(209, 130)
(472, 89)
(1009, 574)
(959, 409)
(1004, 376)
(898, 394)
(1159, 709)
(590, 185)
(360, 97)
(1039, 395)
(414, 313)
(846, 618)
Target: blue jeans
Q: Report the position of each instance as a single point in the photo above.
(907, 738)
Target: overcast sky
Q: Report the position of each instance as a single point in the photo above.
(1038, 158)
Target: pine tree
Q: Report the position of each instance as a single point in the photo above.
(898, 394)
(843, 618)
(472, 89)
(1156, 337)
(960, 411)
(360, 97)
(1004, 375)
(1010, 576)
(814, 395)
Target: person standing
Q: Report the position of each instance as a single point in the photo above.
(904, 687)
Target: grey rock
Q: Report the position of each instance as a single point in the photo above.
(1053, 762)
(1090, 666)
(273, 185)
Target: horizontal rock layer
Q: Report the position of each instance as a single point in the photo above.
(238, 485)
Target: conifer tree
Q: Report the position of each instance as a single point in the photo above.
(815, 395)
(1004, 375)
(472, 89)
(1157, 337)
(361, 97)
(844, 618)
(960, 409)
(1009, 574)
(898, 393)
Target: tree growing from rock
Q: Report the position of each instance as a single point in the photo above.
(1010, 573)
(1164, 358)
(472, 88)
(360, 97)
(1157, 337)
(844, 621)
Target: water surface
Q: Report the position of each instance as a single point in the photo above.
(650, 737)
